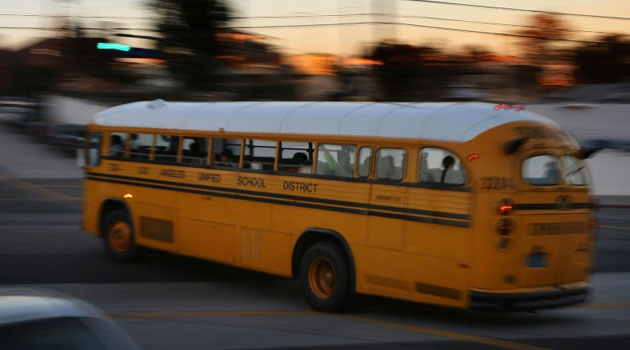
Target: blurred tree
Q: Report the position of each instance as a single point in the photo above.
(410, 72)
(32, 81)
(608, 62)
(190, 29)
(538, 43)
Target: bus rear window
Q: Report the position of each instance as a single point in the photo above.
(541, 170)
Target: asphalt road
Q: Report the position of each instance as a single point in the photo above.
(165, 301)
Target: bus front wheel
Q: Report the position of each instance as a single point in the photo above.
(323, 277)
(118, 236)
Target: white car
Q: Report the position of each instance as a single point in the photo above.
(38, 319)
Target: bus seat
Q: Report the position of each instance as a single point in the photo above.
(364, 168)
(433, 175)
(322, 168)
(385, 168)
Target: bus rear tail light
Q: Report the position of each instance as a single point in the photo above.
(505, 206)
(505, 227)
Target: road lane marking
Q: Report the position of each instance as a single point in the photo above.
(503, 344)
(41, 199)
(212, 313)
(33, 188)
(615, 227)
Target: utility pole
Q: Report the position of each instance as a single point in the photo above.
(384, 17)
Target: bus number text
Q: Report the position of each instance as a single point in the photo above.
(495, 183)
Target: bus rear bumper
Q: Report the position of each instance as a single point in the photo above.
(530, 300)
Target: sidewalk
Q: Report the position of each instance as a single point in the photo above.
(21, 157)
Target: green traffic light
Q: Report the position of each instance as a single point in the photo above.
(113, 46)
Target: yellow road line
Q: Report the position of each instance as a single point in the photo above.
(212, 313)
(33, 188)
(503, 344)
(615, 227)
(40, 199)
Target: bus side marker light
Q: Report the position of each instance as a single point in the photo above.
(473, 156)
(505, 206)
(128, 196)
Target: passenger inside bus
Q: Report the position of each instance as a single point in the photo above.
(447, 164)
(116, 149)
(299, 161)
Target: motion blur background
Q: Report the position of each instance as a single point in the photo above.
(62, 61)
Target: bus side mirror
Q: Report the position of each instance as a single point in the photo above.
(513, 145)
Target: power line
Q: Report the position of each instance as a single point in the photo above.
(421, 26)
(525, 36)
(345, 15)
(522, 10)
(503, 24)
(68, 16)
(358, 23)
(81, 28)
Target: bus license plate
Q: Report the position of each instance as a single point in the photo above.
(536, 260)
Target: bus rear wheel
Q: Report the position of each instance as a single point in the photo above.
(118, 236)
(323, 277)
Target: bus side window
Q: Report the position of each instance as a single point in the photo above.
(195, 150)
(140, 147)
(438, 165)
(295, 157)
(390, 163)
(226, 153)
(337, 160)
(365, 161)
(166, 147)
(259, 154)
(117, 142)
(93, 154)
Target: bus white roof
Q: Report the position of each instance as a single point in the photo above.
(442, 121)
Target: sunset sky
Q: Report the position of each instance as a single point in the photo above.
(343, 40)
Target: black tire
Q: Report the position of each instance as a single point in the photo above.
(321, 259)
(119, 247)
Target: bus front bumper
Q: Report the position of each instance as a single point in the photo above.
(530, 300)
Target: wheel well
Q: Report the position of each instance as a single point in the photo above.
(107, 207)
(314, 235)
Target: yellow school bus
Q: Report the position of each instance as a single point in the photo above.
(467, 205)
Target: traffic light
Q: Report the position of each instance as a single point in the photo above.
(113, 46)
